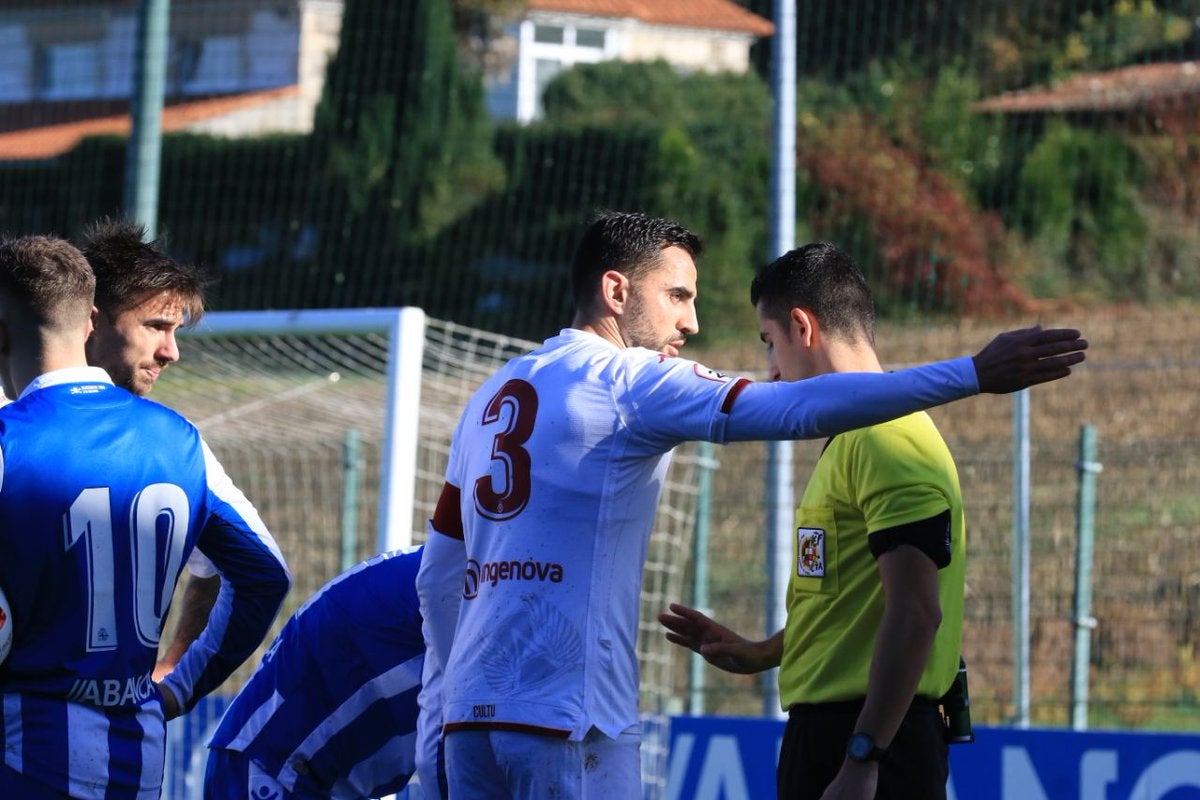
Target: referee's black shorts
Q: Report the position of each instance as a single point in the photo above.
(814, 747)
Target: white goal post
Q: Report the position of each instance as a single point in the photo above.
(405, 329)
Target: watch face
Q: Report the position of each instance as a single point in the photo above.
(860, 746)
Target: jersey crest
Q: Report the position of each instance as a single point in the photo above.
(810, 552)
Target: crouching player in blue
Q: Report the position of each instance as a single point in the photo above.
(103, 496)
(331, 711)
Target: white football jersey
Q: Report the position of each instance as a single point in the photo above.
(560, 458)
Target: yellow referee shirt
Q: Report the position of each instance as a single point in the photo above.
(867, 480)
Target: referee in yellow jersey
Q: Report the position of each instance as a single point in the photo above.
(875, 602)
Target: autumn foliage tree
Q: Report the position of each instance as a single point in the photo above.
(921, 241)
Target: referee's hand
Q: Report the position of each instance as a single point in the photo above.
(720, 646)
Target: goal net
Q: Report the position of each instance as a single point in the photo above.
(335, 422)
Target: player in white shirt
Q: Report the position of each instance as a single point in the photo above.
(554, 475)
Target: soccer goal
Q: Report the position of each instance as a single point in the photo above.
(337, 425)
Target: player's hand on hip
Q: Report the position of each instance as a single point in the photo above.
(170, 703)
(1021, 358)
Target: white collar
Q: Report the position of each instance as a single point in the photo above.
(67, 375)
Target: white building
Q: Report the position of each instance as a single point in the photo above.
(706, 35)
(253, 67)
(73, 59)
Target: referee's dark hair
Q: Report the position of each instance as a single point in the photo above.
(823, 279)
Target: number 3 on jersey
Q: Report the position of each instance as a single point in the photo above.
(159, 518)
(504, 491)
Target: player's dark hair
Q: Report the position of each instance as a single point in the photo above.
(823, 279)
(48, 278)
(630, 243)
(129, 269)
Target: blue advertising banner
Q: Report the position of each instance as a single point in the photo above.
(731, 758)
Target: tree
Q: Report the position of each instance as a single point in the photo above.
(405, 139)
(713, 161)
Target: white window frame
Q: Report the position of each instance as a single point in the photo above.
(568, 54)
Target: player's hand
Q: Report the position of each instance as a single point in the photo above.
(719, 645)
(854, 781)
(170, 703)
(162, 669)
(1017, 359)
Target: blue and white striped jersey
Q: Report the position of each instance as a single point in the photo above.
(103, 496)
(335, 698)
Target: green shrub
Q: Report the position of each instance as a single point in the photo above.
(1078, 201)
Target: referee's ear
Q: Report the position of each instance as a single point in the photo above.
(805, 328)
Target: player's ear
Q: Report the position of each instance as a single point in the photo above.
(93, 321)
(805, 327)
(614, 291)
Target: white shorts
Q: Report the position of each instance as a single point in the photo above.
(506, 765)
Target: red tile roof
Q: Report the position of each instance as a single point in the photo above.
(1121, 89)
(52, 140)
(713, 14)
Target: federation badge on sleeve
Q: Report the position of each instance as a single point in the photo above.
(709, 374)
(810, 552)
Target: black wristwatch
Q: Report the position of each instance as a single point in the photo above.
(862, 747)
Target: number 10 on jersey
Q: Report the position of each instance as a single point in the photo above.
(158, 519)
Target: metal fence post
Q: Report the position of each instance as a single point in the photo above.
(1020, 559)
(351, 467)
(707, 464)
(143, 156)
(1088, 468)
(779, 510)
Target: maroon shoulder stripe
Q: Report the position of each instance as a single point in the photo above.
(732, 394)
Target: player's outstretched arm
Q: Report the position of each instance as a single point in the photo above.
(1017, 359)
(720, 646)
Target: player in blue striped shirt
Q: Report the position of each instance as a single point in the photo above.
(143, 297)
(102, 498)
(332, 710)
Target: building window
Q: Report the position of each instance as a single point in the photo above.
(182, 60)
(547, 49)
(70, 71)
(219, 68)
(548, 34)
(589, 37)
